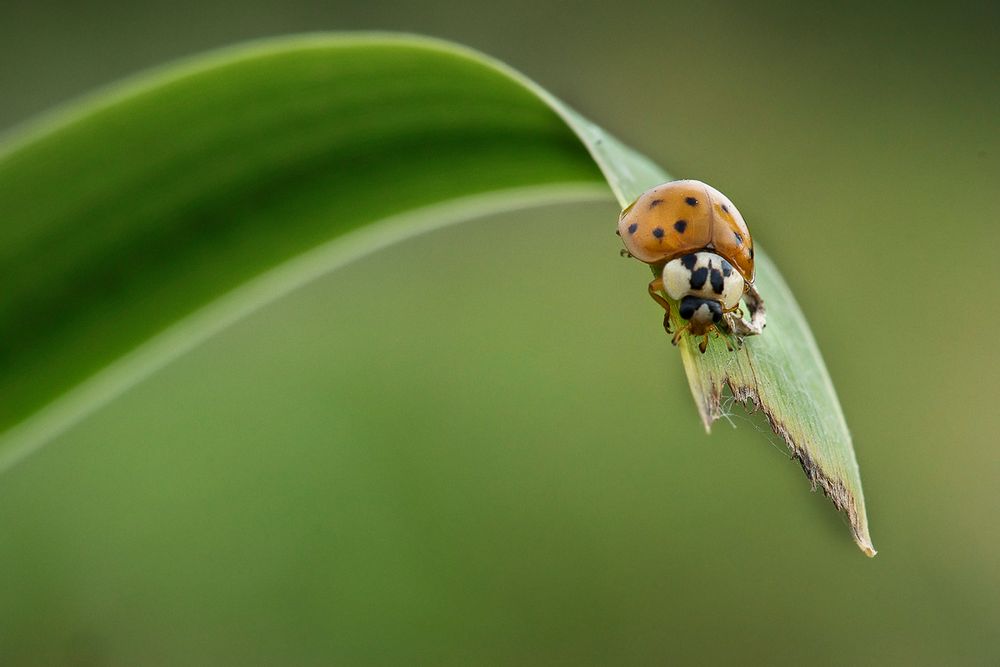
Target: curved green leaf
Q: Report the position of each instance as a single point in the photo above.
(125, 214)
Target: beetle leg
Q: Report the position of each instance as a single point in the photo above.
(655, 286)
(677, 336)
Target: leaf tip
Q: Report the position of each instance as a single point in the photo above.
(862, 538)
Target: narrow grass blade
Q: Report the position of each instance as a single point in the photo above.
(124, 214)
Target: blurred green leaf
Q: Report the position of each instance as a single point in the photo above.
(128, 212)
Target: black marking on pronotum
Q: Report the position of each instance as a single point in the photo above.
(689, 261)
(739, 239)
(658, 232)
(680, 226)
(653, 204)
(717, 281)
(634, 226)
(691, 201)
(727, 269)
(698, 278)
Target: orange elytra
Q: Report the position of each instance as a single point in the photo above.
(683, 217)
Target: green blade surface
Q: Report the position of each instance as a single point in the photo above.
(123, 215)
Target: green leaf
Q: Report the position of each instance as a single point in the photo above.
(166, 208)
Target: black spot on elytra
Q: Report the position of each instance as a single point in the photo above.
(653, 204)
(725, 208)
(751, 253)
(634, 226)
(691, 201)
(739, 239)
(698, 278)
(658, 232)
(681, 225)
(689, 261)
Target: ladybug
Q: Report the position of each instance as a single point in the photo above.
(699, 245)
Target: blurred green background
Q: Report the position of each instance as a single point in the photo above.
(395, 465)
